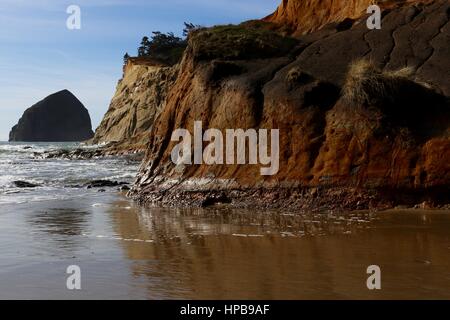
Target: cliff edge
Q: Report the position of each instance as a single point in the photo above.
(140, 96)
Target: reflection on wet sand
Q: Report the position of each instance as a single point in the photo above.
(234, 254)
(62, 224)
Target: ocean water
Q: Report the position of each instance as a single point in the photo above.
(125, 251)
(56, 178)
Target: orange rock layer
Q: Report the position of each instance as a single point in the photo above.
(303, 16)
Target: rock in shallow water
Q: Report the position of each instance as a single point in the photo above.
(24, 184)
(60, 117)
(104, 183)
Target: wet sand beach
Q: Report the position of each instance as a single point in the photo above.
(128, 252)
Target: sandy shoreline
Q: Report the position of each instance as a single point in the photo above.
(129, 252)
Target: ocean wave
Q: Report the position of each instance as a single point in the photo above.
(24, 147)
(56, 178)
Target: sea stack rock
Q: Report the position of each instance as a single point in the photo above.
(60, 117)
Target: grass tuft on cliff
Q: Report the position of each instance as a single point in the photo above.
(396, 99)
(367, 84)
(248, 40)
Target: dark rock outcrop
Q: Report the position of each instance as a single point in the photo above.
(89, 153)
(60, 117)
(104, 183)
(352, 135)
(24, 184)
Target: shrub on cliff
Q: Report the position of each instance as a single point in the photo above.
(367, 84)
(244, 41)
(395, 99)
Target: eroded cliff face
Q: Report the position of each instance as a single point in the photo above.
(303, 16)
(140, 96)
(385, 145)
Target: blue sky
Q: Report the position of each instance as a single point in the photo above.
(39, 55)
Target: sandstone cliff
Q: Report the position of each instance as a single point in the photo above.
(140, 96)
(59, 117)
(303, 16)
(353, 134)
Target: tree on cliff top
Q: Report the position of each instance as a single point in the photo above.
(125, 58)
(165, 47)
(189, 27)
(142, 50)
